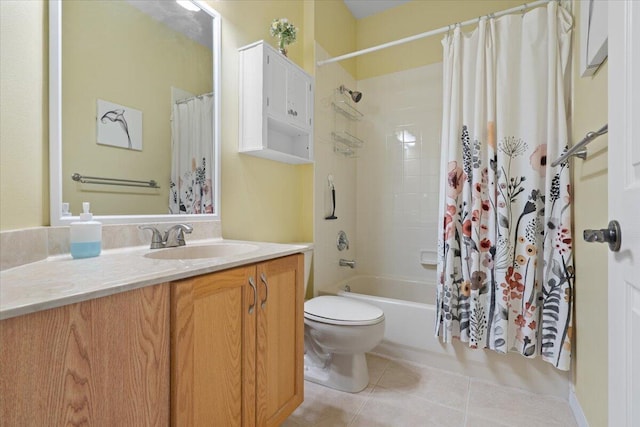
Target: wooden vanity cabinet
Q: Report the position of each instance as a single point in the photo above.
(280, 339)
(223, 349)
(237, 345)
(102, 362)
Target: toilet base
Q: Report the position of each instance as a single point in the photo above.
(344, 372)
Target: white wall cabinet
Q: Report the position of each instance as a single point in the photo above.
(276, 106)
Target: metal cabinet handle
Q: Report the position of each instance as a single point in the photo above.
(252, 283)
(263, 278)
(611, 235)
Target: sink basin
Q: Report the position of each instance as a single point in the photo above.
(214, 250)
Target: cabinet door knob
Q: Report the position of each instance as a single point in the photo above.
(252, 283)
(263, 278)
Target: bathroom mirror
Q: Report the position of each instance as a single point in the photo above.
(134, 110)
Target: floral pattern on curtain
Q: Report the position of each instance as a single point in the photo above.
(191, 186)
(505, 249)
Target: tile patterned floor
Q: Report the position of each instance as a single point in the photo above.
(404, 394)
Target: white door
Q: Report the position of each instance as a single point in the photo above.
(624, 206)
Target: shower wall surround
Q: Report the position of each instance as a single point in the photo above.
(327, 272)
(387, 195)
(398, 172)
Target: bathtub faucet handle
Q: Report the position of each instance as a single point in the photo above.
(351, 263)
(343, 242)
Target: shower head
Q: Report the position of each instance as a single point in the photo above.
(355, 95)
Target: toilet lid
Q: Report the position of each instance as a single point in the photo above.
(342, 311)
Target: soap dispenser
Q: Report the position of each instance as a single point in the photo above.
(86, 235)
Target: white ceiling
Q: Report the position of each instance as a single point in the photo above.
(198, 26)
(363, 8)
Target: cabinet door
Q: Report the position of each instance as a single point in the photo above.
(298, 98)
(276, 87)
(103, 362)
(280, 347)
(213, 349)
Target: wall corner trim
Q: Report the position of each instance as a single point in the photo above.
(578, 413)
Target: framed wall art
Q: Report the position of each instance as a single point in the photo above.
(594, 35)
(119, 126)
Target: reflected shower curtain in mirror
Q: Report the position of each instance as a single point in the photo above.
(505, 250)
(191, 187)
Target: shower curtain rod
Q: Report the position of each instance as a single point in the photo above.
(182, 101)
(522, 8)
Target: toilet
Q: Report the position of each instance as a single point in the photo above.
(338, 331)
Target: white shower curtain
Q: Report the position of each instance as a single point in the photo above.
(505, 249)
(191, 187)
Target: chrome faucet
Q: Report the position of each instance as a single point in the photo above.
(178, 240)
(351, 263)
(173, 236)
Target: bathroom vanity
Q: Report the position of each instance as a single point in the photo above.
(98, 362)
(258, 310)
(215, 341)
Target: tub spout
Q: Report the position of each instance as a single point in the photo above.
(348, 263)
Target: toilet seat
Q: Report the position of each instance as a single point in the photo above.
(337, 310)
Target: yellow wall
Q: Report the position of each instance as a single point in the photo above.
(335, 30)
(261, 199)
(308, 42)
(24, 132)
(590, 211)
(114, 52)
(414, 17)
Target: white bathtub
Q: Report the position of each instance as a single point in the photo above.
(409, 335)
(408, 309)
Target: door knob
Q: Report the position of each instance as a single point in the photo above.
(611, 235)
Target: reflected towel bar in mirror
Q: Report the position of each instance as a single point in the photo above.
(114, 181)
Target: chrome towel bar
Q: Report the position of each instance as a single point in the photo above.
(114, 181)
(578, 149)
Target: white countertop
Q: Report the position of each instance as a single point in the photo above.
(62, 280)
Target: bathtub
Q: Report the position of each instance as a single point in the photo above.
(409, 309)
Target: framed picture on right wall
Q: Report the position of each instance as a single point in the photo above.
(594, 35)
